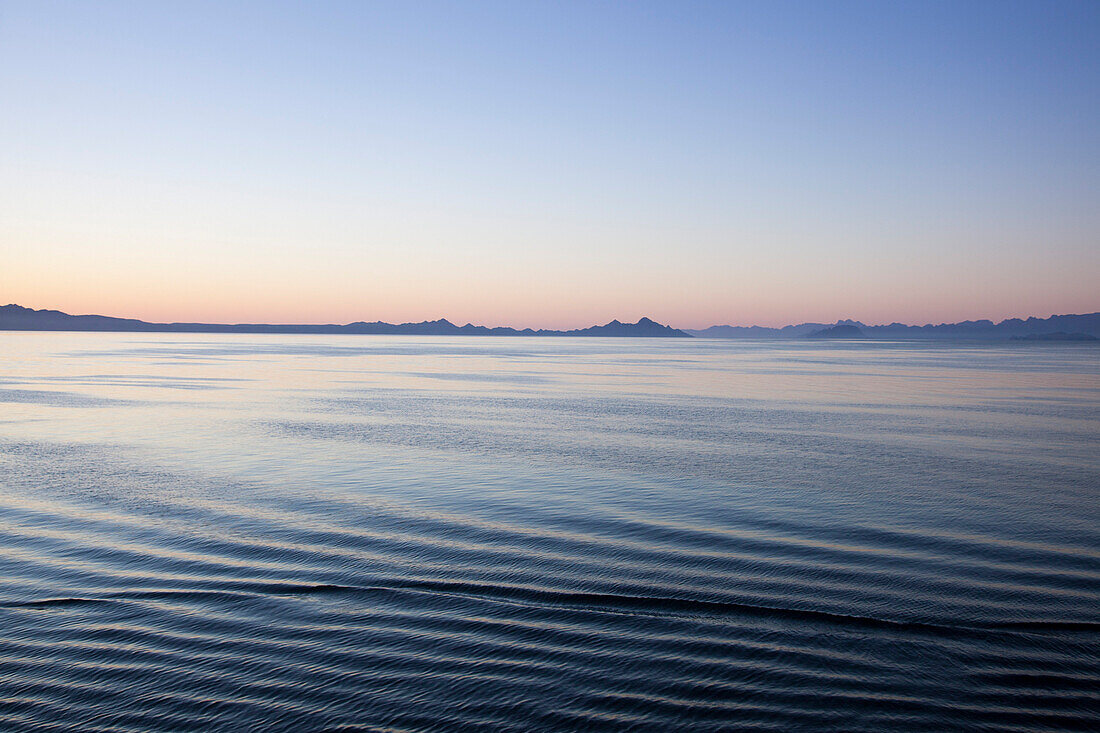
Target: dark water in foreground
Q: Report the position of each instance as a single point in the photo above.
(370, 533)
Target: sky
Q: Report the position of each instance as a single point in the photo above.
(551, 164)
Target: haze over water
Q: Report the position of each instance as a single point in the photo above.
(396, 533)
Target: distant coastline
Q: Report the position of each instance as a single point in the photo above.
(17, 318)
(1059, 328)
(1032, 329)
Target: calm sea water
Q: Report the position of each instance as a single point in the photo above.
(388, 533)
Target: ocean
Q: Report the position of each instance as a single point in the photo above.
(249, 532)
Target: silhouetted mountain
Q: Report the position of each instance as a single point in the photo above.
(843, 331)
(1088, 323)
(644, 327)
(736, 332)
(17, 318)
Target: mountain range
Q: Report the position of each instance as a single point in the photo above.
(1087, 323)
(1061, 327)
(17, 318)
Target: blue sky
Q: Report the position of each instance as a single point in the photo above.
(551, 164)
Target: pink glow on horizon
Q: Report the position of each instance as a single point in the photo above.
(519, 315)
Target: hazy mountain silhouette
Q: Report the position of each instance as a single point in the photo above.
(843, 331)
(1055, 328)
(1087, 323)
(17, 318)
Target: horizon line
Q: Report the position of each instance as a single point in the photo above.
(597, 324)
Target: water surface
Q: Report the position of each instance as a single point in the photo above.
(392, 533)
